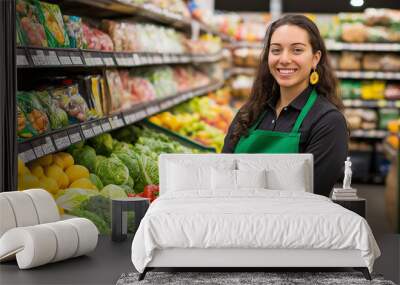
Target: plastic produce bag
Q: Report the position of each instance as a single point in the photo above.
(51, 18)
(24, 127)
(116, 91)
(58, 117)
(73, 25)
(96, 39)
(69, 99)
(30, 106)
(30, 31)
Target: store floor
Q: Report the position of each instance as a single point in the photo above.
(110, 260)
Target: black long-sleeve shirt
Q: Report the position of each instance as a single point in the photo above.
(323, 133)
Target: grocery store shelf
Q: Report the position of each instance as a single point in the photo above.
(243, 44)
(383, 47)
(60, 139)
(33, 57)
(368, 75)
(371, 103)
(244, 70)
(121, 8)
(368, 134)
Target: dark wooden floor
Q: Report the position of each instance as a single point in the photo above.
(110, 260)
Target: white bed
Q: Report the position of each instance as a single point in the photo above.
(196, 224)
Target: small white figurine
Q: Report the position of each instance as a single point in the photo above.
(347, 174)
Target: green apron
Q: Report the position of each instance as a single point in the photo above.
(261, 141)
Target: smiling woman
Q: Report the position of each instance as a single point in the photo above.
(294, 106)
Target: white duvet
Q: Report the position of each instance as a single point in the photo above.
(251, 218)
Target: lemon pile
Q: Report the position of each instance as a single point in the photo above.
(53, 173)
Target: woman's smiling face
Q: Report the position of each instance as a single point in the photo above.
(290, 57)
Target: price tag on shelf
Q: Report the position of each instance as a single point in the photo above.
(64, 58)
(137, 59)
(92, 59)
(96, 127)
(22, 59)
(129, 118)
(52, 58)
(74, 135)
(61, 140)
(38, 57)
(381, 103)
(37, 146)
(151, 110)
(87, 131)
(48, 146)
(25, 152)
(108, 59)
(120, 60)
(105, 125)
(116, 121)
(141, 114)
(76, 58)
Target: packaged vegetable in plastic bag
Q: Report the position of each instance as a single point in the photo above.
(69, 99)
(73, 26)
(97, 39)
(116, 91)
(58, 117)
(24, 127)
(89, 88)
(30, 31)
(51, 18)
(34, 112)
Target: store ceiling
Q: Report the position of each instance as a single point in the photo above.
(311, 6)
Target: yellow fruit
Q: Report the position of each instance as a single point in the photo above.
(75, 172)
(37, 170)
(21, 166)
(64, 181)
(26, 171)
(46, 160)
(57, 160)
(67, 158)
(49, 184)
(55, 172)
(28, 182)
(84, 183)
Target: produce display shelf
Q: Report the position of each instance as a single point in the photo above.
(244, 44)
(182, 139)
(368, 134)
(371, 103)
(378, 47)
(121, 8)
(368, 75)
(33, 57)
(61, 139)
(244, 70)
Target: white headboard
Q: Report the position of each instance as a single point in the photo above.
(213, 159)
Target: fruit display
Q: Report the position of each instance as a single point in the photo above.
(247, 57)
(373, 25)
(393, 126)
(174, 6)
(84, 179)
(361, 118)
(365, 61)
(369, 90)
(201, 119)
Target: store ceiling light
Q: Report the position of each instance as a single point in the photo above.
(356, 3)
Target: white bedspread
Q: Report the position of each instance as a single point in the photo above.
(250, 218)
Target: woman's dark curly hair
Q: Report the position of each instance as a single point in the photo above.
(265, 85)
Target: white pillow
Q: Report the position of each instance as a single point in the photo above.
(293, 180)
(280, 174)
(251, 178)
(182, 177)
(223, 179)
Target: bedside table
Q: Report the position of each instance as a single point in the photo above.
(358, 206)
(119, 215)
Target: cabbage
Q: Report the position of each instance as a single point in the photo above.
(98, 159)
(73, 197)
(103, 144)
(148, 170)
(112, 171)
(113, 192)
(127, 189)
(131, 162)
(96, 181)
(85, 156)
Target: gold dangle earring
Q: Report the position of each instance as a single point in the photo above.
(314, 77)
